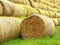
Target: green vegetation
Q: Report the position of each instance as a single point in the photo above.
(55, 40)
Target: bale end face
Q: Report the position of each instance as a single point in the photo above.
(32, 27)
(35, 26)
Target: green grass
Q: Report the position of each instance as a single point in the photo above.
(55, 40)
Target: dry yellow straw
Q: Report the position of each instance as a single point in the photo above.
(49, 3)
(37, 26)
(8, 8)
(56, 21)
(26, 2)
(44, 7)
(50, 14)
(9, 28)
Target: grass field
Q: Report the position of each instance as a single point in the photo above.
(55, 40)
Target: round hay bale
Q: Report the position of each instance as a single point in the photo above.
(43, 6)
(9, 28)
(21, 10)
(14, 9)
(37, 26)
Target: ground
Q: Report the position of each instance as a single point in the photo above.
(55, 40)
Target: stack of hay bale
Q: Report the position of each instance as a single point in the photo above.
(40, 20)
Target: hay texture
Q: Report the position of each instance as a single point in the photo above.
(9, 28)
(50, 4)
(43, 6)
(26, 2)
(56, 21)
(50, 14)
(52, 1)
(37, 26)
(36, 0)
(13, 9)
